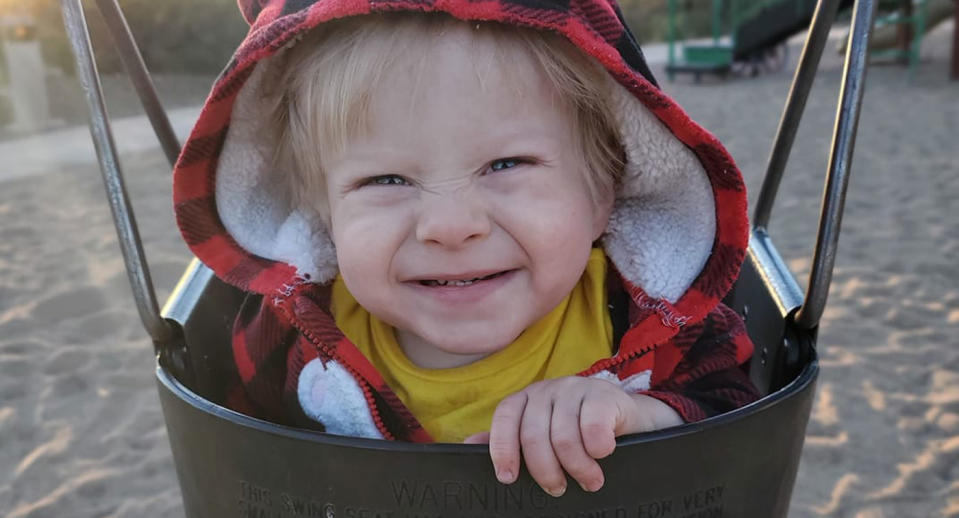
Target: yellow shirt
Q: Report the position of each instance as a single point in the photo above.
(455, 403)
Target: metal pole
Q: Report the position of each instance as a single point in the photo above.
(717, 20)
(792, 113)
(671, 32)
(904, 32)
(142, 82)
(734, 16)
(133, 257)
(955, 42)
(840, 160)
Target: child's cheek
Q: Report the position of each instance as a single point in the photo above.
(359, 226)
(542, 196)
(366, 244)
(361, 263)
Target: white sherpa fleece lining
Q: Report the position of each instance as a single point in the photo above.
(659, 236)
(329, 394)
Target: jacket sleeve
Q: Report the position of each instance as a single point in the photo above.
(711, 375)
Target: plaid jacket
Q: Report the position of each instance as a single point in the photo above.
(677, 342)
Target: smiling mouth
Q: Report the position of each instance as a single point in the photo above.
(462, 282)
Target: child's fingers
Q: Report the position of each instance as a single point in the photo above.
(568, 444)
(597, 425)
(534, 435)
(477, 438)
(504, 437)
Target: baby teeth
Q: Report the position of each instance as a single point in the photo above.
(434, 282)
(451, 283)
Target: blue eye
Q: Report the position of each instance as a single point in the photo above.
(504, 163)
(386, 179)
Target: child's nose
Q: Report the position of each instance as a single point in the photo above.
(451, 221)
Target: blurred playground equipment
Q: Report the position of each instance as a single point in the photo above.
(899, 29)
(24, 92)
(749, 37)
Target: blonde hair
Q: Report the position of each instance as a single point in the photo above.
(321, 90)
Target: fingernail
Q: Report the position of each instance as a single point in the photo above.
(592, 487)
(504, 475)
(558, 492)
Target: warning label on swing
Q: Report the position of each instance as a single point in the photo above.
(704, 503)
(440, 499)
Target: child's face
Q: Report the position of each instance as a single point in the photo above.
(466, 171)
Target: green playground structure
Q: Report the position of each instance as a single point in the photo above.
(901, 25)
(749, 36)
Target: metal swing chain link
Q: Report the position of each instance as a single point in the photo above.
(123, 218)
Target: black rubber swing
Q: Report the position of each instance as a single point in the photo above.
(739, 464)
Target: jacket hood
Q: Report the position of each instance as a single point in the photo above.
(677, 234)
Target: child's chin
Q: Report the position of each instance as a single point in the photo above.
(480, 346)
(469, 348)
(461, 344)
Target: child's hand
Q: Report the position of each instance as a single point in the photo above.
(566, 424)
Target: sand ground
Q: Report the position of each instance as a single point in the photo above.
(81, 433)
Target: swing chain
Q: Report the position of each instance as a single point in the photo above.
(138, 272)
(844, 136)
(840, 161)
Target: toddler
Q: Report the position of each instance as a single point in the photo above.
(481, 224)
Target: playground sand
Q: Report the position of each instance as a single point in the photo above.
(81, 434)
